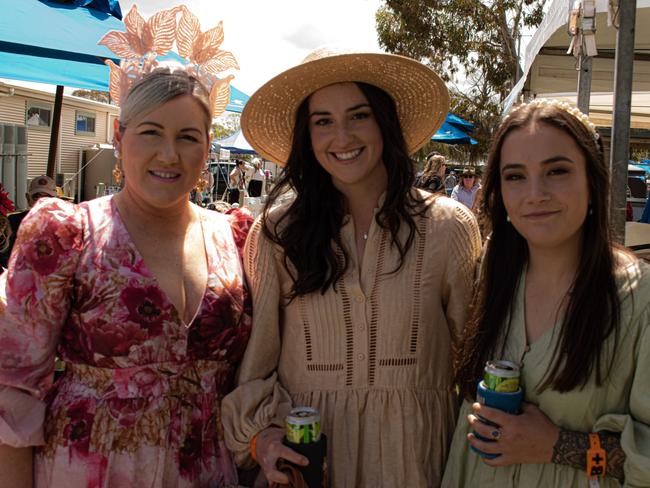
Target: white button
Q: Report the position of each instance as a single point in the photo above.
(361, 357)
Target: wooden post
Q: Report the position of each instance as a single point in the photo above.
(54, 133)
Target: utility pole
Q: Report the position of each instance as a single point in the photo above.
(584, 83)
(620, 150)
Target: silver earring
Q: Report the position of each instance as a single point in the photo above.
(116, 153)
(591, 210)
(507, 218)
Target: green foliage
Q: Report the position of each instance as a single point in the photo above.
(225, 125)
(472, 44)
(95, 95)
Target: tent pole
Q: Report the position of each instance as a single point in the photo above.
(54, 134)
(620, 150)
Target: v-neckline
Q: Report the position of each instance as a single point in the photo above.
(150, 274)
(522, 300)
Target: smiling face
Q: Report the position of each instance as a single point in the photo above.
(544, 185)
(468, 181)
(164, 151)
(346, 138)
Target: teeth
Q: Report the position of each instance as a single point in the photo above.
(347, 155)
(164, 175)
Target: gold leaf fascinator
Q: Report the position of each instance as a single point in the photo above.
(143, 41)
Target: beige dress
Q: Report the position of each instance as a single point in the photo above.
(374, 356)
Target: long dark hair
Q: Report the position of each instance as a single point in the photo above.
(588, 321)
(312, 223)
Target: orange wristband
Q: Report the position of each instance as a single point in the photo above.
(596, 457)
(253, 447)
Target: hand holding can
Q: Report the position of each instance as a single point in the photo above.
(499, 389)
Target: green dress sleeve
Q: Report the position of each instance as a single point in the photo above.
(634, 424)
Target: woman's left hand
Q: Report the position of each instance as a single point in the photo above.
(526, 438)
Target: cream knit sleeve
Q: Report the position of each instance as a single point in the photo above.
(464, 248)
(259, 401)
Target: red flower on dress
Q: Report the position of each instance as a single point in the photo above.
(221, 331)
(46, 247)
(116, 338)
(189, 454)
(6, 205)
(146, 307)
(80, 420)
(241, 221)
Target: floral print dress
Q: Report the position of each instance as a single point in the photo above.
(139, 401)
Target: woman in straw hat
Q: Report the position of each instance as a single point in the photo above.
(360, 283)
(559, 298)
(142, 295)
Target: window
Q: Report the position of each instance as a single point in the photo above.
(38, 114)
(84, 123)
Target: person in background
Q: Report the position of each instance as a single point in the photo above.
(450, 182)
(559, 298)
(6, 206)
(434, 171)
(257, 178)
(40, 187)
(142, 294)
(237, 179)
(466, 190)
(360, 282)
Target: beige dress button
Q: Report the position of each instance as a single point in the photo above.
(358, 298)
(361, 357)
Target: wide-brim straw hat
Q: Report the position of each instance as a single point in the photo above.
(420, 95)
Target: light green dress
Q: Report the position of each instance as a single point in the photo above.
(621, 404)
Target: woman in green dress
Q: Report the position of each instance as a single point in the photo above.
(572, 308)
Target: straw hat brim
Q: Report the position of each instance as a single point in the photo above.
(420, 95)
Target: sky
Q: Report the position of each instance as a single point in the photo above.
(267, 37)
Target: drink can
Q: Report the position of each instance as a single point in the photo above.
(502, 376)
(303, 425)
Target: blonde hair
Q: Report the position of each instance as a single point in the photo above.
(433, 165)
(160, 86)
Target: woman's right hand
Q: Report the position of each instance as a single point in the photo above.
(269, 449)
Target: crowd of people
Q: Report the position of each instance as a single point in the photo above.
(188, 335)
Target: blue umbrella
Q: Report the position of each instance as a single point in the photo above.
(449, 134)
(458, 122)
(56, 43)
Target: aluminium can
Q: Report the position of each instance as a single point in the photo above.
(501, 376)
(303, 425)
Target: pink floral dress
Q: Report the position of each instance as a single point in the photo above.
(139, 402)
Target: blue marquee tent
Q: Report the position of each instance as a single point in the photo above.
(235, 143)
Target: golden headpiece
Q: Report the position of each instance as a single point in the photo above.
(144, 40)
(566, 107)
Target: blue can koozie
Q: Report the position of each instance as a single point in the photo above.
(504, 401)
